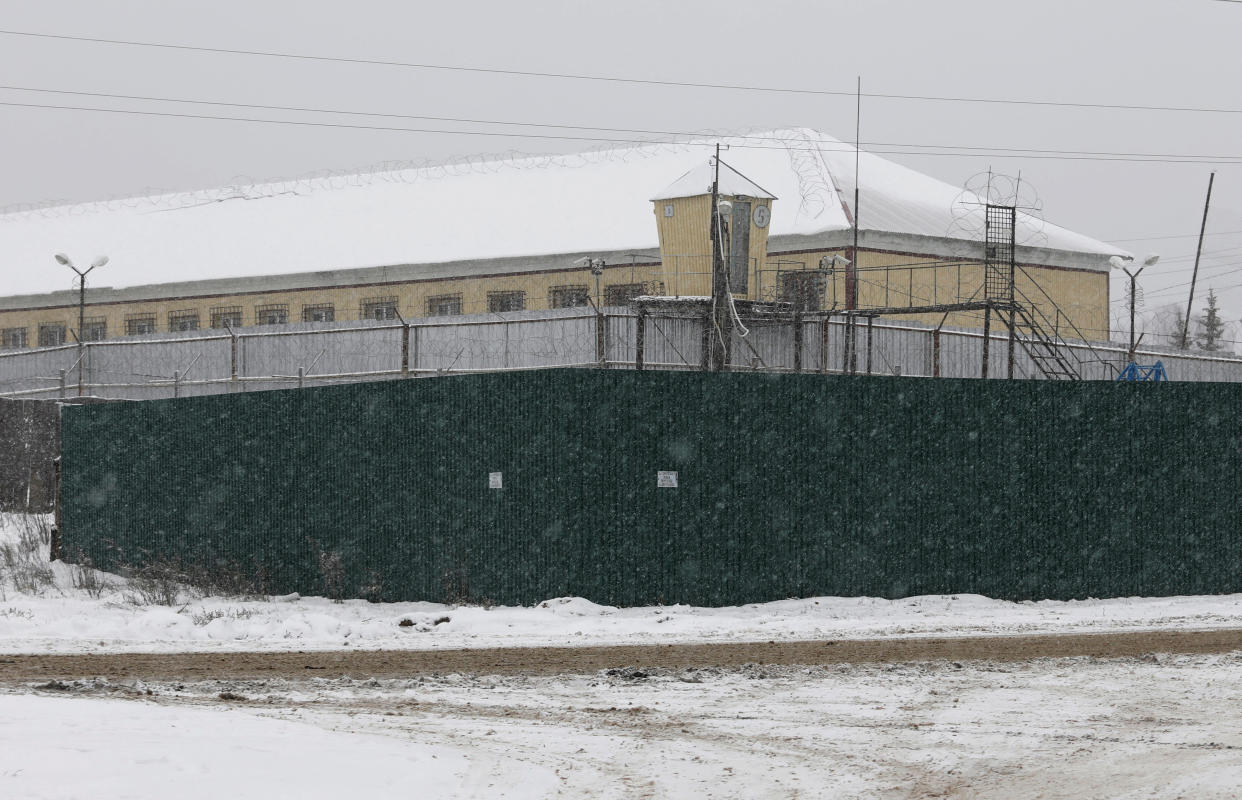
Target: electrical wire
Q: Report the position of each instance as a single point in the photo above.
(617, 79)
(960, 152)
(559, 126)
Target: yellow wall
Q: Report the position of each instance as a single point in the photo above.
(411, 298)
(685, 245)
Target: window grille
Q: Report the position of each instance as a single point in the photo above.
(803, 290)
(13, 337)
(379, 308)
(274, 314)
(444, 305)
(620, 294)
(230, 316)
(318, 312)
(51, 334)
(499, 302)
(568, 296)
(94, 329)
(139, 324)
(184, 320)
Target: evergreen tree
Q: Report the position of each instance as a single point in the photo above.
(1211, 326)
(1181, 334)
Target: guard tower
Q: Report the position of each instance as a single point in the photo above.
(684, 220)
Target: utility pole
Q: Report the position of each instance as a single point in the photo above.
(63, 259)
(1185, 341)
(721, 317)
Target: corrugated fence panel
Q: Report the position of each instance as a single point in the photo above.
(788, 485)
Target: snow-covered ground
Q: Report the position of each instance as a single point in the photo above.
(1153, 727)
(1054, 728)
(58, 617)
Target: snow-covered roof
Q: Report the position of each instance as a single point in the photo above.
(480, 209)
(699, 181)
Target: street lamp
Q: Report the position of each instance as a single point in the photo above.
(63, 259)
(1119, 263)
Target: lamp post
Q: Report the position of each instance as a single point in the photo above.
(1119, 263)
(63, 259)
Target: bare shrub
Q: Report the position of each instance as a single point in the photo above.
(89, 580)
(205, 616)
(160, 582)
(25, 566)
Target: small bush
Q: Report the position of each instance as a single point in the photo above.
(88, 579)
(160, 582)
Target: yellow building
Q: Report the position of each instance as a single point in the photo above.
(501, 236)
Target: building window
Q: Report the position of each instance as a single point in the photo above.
(318, 312)
(498, 302)
(139, 324)
(226, 317)
(274, 314)
(379, 308)
(803, 290)
(13, 337)
(568, 296)
(185, 320)
(51, 334)
(94, 329)
(444, 305)
(620, 294)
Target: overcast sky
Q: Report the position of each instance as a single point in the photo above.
(1181, 53)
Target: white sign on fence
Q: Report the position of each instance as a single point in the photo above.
(666, 479)
(495, 480)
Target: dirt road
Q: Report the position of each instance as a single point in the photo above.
(556, 660)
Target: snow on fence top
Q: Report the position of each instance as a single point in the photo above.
(472, 209)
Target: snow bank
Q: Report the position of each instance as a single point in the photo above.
(59, 615)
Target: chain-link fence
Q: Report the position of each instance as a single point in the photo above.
(285, 356)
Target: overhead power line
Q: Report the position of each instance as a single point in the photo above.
(633, 131)
(876, 148)
(620, 79)
(1176, 235)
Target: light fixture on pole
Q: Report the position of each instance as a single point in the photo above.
(63, 259)
(1119, 263)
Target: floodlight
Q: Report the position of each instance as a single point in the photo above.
(1151, 259)
(61, 258)
(99, 262)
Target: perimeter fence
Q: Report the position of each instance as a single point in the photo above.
(316, 354)
(637, 488)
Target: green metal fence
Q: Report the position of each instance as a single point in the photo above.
(787, 485)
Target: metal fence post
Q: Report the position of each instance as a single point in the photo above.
(640, 334)
(600, 350)
(176, 383)
(797, 341)
(62, 384)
